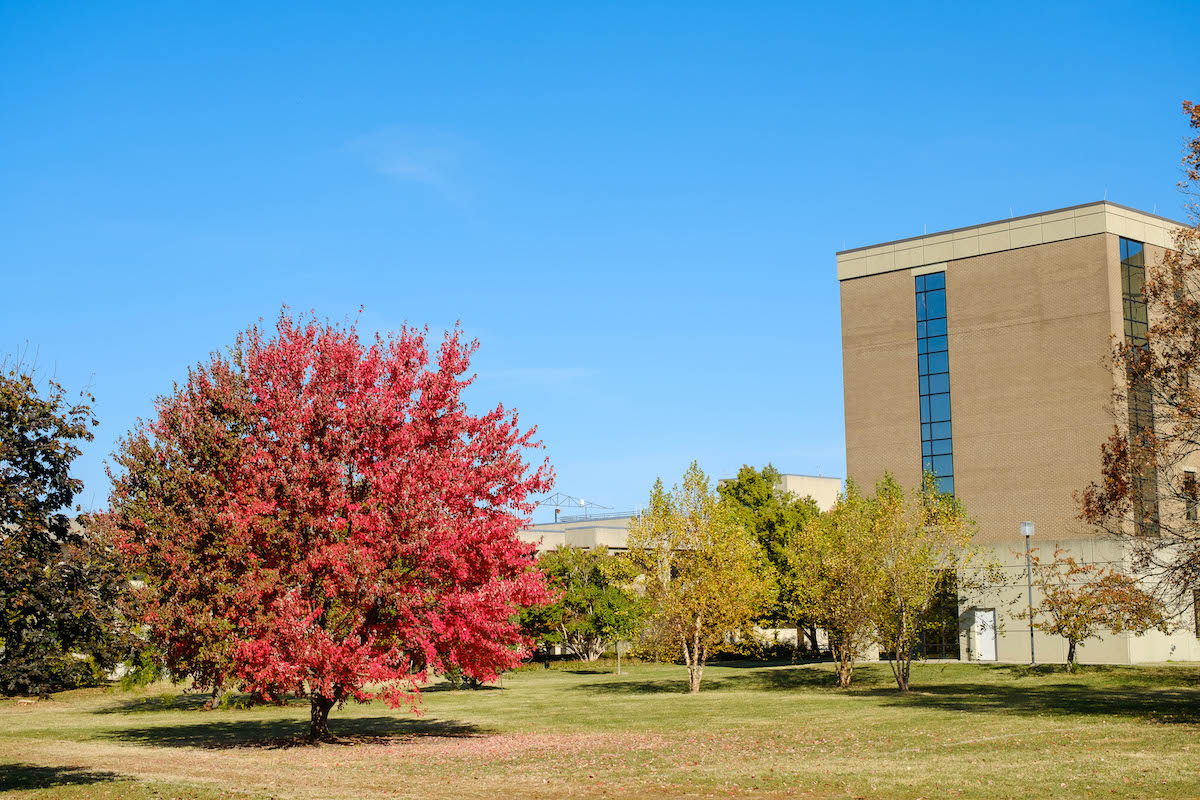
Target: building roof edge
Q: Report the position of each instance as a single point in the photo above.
(1012, 219)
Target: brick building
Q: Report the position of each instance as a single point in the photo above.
(983, 353)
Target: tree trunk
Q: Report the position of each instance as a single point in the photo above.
(844, 655)
(319, 726)
(696, 670)
(903, 664)
(1070, 655)
(695, 658)
(693, 681)
(902, 658)
(214, 697)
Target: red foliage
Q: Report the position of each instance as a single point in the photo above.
(1145, 489)
(322, 517)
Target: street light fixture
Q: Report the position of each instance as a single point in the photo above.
(1027, 531)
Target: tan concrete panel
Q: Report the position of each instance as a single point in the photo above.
(991, 237)
(909, 257)
(1088, 224)
(991, 242)
(966, 247)
(1134, 229)
(941, 251)
(881, 262)
(1060, 229)
(1056, 216)
(928, 268)
(1011, 598)
(1025, 236)
(824, 491)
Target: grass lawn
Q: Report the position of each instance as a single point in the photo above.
(755, 731)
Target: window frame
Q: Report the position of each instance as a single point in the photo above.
(934, 401)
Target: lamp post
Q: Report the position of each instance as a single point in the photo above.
(1027, 531)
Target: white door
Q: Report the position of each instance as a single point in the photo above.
(985, 634)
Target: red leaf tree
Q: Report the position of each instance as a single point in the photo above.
(1146, 496)
(321, 516)
(1081, 600)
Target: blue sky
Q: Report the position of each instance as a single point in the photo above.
(635, 208)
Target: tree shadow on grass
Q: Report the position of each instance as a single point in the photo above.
(665, 686)
(14, 777)
(767, 664)
(1058, 699)
(284, 733)
(193, 701)
(1148, 675)
(163, 702)
(781, 678)
(1165, 695)
(446, 686)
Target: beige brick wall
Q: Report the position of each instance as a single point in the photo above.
(1030, 380)
(879, 364)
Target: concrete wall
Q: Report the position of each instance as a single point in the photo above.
(609, 533)
(613, 534)
(1012, 640)
(1007, 234)
(824, 491)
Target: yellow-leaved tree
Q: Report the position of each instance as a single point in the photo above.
(706, 577)
(923, 540)
(834, 564)
(886, 570)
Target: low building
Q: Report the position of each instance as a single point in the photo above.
(611, 530)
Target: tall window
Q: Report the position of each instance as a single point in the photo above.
(1189, 495)
(1133, 275)
(933, 376)
(1196, 610)
(1141, 406)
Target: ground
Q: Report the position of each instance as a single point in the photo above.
(965, 730)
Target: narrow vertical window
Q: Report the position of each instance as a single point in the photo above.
(1196, 610)
(1141, 406)
(933, 379)
(1189, 495)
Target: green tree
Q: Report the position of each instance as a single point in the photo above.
(1079, 601)
(61, 586)
(775, 518)
(596, 605)
(706, 576)
(833, 563)
(922, 540)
